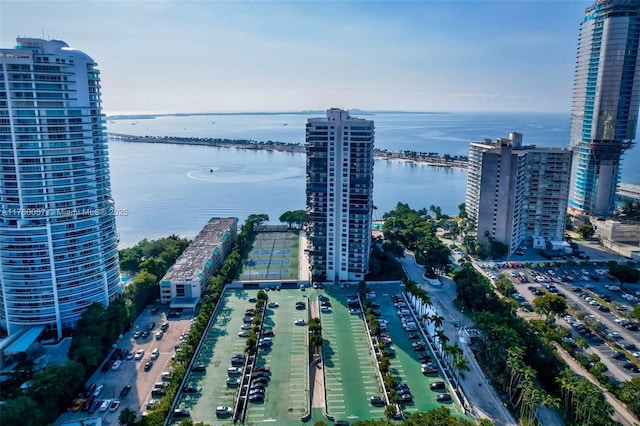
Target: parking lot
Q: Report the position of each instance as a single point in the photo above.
(594, 295)
(287, 392)
(350, 370)
(405, 366)
(131, 371)
(220, 342)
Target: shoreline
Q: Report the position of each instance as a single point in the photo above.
(411, 157)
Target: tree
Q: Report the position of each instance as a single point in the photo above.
(549, 305)
(460, 363)
(294, 217)
(390, 411)
(636, 312)
(624, 273)
(128, 417)
(581, 343)
(22, 411)
(586, 230)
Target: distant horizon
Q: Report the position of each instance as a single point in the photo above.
(120, 115)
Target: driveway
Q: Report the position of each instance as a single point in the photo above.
(482, 397)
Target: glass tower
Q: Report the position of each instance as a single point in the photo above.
(606, 96)
(58, 240)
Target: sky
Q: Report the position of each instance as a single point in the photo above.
(159, 56)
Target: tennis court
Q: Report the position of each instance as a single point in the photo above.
(274, 256)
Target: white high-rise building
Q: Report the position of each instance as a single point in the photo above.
(339, 195)
(58, 240)
(516, 192)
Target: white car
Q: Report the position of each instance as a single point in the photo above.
(116, 365)
(105, 405)
(223, 411)
(139, 355)
(155, 353)
(246, 326)
(114, 405)
(300, 322)
(98, 391)
(243, 334)
(234, 371)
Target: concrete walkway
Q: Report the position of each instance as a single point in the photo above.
(316, 378)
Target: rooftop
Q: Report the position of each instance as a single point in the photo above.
(194, 259)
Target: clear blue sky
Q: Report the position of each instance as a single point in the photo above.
(226, 56)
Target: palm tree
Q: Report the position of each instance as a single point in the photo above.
(443, 339)
(128, 417)
(390, 411)
(437, 320)
(460, 363)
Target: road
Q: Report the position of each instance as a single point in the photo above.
(621, 414)
(484, 403)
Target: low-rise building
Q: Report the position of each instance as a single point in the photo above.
(184, 282)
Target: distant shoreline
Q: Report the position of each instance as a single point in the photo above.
(305, 113)
(432, 159)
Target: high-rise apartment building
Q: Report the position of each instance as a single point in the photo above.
(58, 241)
(339, 195)
(606, 96)
(516, 192)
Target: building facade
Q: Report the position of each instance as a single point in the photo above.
(516, 192)
(606, 96)
(58, 240)
(339, 195)
(184, 282)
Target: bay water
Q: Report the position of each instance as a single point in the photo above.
(162, 189)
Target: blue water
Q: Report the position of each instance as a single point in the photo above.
(169, 189)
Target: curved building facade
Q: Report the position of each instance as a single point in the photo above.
(606, 96)
(58, 240)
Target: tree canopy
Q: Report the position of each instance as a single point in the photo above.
(294, 217)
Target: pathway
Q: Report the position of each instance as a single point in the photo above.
(481, 395)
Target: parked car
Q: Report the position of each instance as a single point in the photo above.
(223, 411)
(116, 364)
(376, 400)
(148, 365)
(256, 397)
(125, 390)
(443, 397)
(199, 368)
(437, 385)
(114, 405)
(190, 389)
(181, 413)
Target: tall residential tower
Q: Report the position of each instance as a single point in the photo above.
(339, 195)
(517, 192)
(606, 96)
(58, 241)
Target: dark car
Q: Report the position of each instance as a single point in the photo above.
(148, 365)
(89, 390)
(628, 365)
(257, 391)
(256, 397)
(107, 366)
(617, 355)
(413, 336)
(437, 386)
(407, 397)
(94, 406)
(190, 389)
(631, 327)
(263, 380)
(151, 326)
(443, 397)
(164, 326)
(267, 333)
(116, 354)
(256, 385)
(158, 392)
(200, 368)
(125, 390)
(179, 413)
(376, 400)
